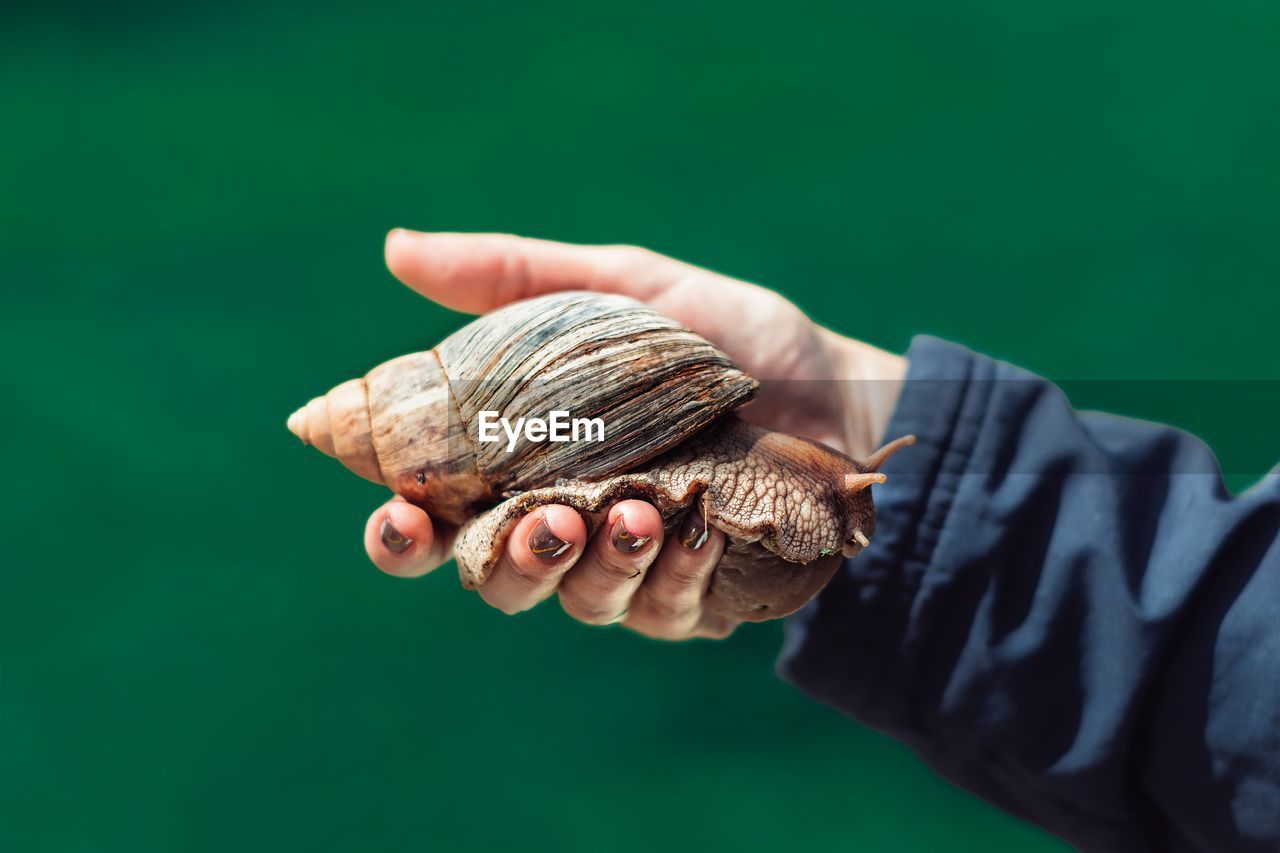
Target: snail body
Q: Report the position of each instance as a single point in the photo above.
(791, 507)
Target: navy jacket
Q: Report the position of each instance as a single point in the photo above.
(1065, 613)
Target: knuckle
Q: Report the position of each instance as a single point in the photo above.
(628, 258)
(631, 252)
(529, 574)
(715, 629)
(656, 629)
(517, 269)
(667, 608)
(616, 571)
(585, 610)
(685, 575)
(505, 604)
(450, 272)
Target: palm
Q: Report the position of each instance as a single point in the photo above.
(805, 372)
(773, 341)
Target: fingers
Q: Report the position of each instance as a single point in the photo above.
(627, 573)
(540, 549)
(713, 627)
(599, 589)
(669, 604)
(480, 272)
(401, 540)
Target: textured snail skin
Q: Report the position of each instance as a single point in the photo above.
(791, 509)
(789, 506)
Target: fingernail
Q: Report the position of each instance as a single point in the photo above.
(694, 533)
(395, 541)
(624, 540)
(545, 544)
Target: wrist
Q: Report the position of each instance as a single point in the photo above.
(873, 380)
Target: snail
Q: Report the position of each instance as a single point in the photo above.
(663, 398)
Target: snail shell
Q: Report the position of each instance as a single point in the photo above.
(791, 507)
(413, 422)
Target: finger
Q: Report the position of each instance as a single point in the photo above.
(540, 549)
(600, 586)
(401, 540)
(715, 627)
(668, 605)
(480, 272)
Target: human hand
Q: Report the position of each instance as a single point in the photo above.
(815, 383)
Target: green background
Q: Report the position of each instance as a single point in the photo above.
(194, 652)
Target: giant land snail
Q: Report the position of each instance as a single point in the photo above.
(655, 403)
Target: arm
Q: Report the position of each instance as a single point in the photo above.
(1064, 613)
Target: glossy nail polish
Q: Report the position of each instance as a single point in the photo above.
(546, 545)
(694, 533)
(624, 540)
(395, 541)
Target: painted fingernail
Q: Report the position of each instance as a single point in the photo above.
(624, 540)
(395, 541)
(694, 533)
(546, 545)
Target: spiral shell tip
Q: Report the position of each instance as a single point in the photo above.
(297, 424)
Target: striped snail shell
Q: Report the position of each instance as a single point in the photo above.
(791, 507)
(413, 422)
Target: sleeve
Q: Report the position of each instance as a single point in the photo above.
(1065, 613)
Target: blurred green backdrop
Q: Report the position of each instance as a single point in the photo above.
(194, 652)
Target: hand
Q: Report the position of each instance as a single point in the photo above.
(628, 573)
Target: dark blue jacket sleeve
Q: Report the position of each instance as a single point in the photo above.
(1065, 613)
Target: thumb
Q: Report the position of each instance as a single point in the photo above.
(476, 273)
